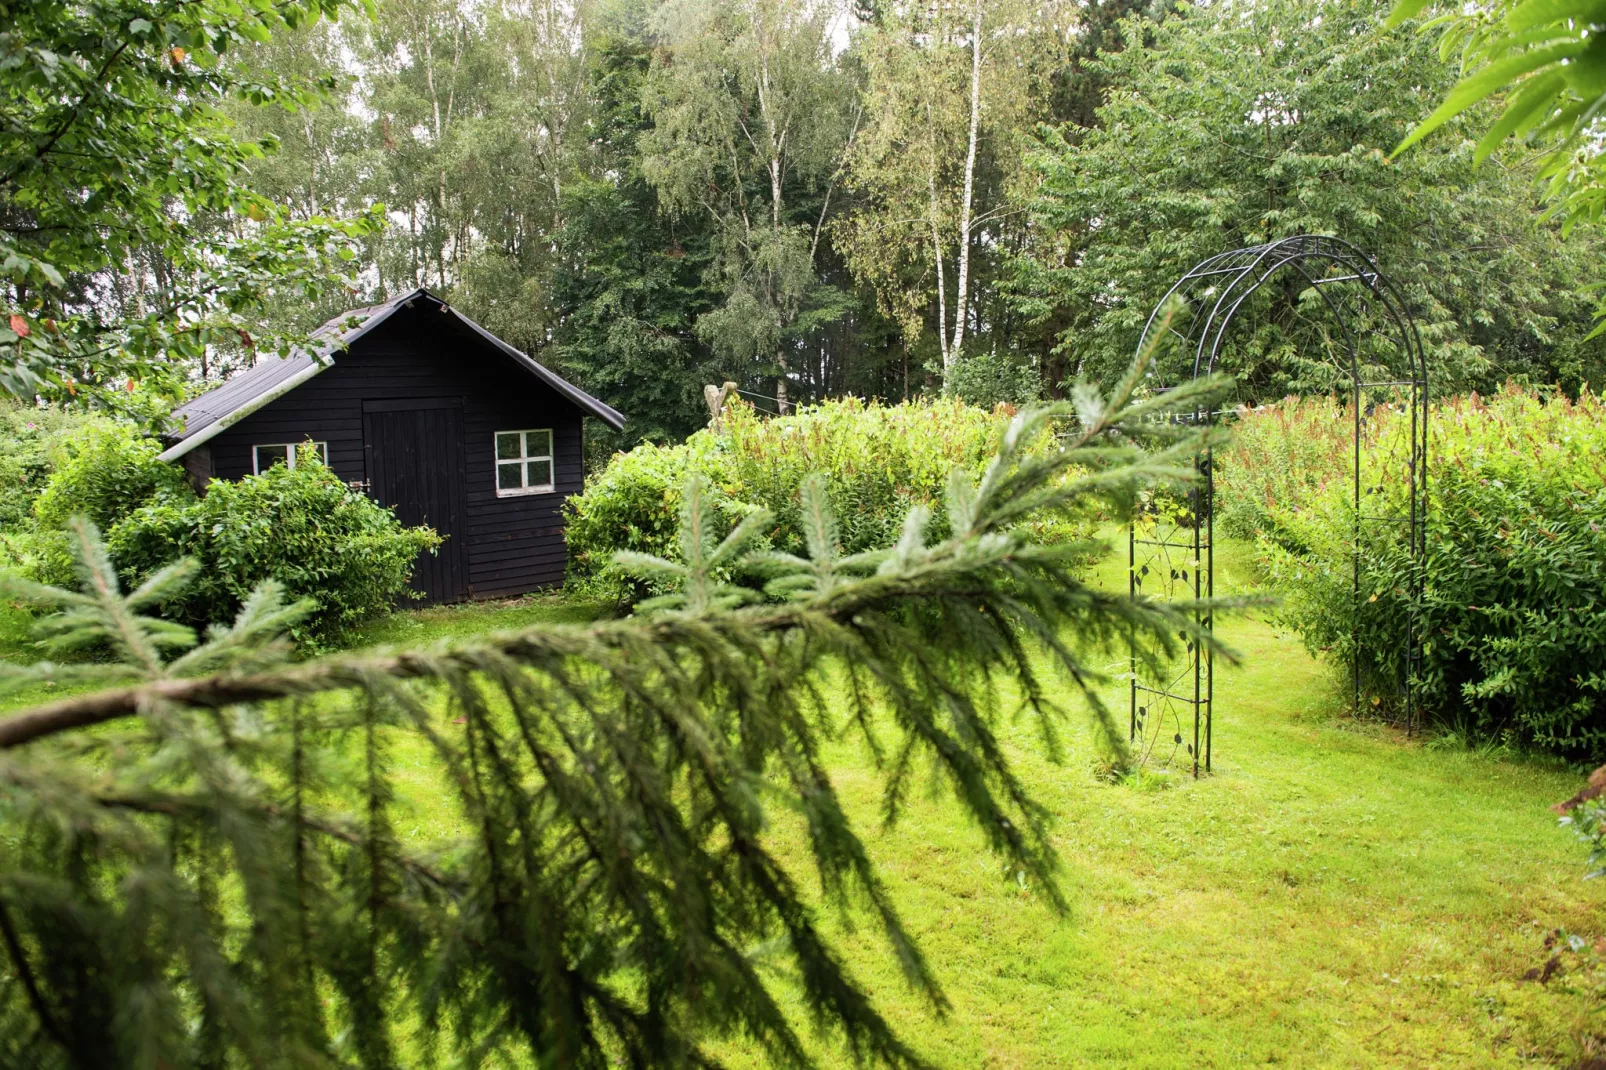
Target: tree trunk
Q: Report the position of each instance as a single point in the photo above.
(960, 305)
(936, 249)
(781, 404)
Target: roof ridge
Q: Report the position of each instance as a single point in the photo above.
(265, 381)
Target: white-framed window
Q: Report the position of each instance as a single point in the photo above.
(523, 462)
(264, 457)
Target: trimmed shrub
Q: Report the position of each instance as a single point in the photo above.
(1514, 602)
(301, 526)
(104, 471)
(877, 461)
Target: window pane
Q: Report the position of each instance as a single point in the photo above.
(507, 476)
(540, 474)
(323, 452)
(538, 443)
(268, 456)
(507, 445)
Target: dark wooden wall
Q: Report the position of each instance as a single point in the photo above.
(515, 544)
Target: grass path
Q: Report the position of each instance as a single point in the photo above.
(1334, 895)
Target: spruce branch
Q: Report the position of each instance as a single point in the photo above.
(101, 616)
(610, 891)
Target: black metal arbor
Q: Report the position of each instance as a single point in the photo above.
(1366, 347)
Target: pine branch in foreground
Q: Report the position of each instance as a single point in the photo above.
(214, 876)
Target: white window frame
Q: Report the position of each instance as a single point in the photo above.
(290, 449)
(524, 459)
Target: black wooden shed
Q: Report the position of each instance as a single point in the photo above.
(430, 414)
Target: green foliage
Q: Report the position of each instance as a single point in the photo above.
(876, 462)
(990, 379)
(1546, 68)
(100, 618)
(31, 438)
(1515, 574)
(1236, 125)
(632, 292)
(132, 240)
(1588, 823)
(750, 122)
(302, 528)
(234, 887)
(705, 559)
(1281, 456)
(632, 506)
(103, 472)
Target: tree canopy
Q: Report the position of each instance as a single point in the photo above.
(806, 199)
(1228, 126)
(129, 236)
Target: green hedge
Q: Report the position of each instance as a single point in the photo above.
(877, 460)
(30, 448)
(1514, 603)
(104, 470)
(301, 526)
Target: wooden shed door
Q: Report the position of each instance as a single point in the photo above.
(415, 464)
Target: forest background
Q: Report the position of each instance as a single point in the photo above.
(813, 200)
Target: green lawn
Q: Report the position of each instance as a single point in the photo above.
(1335, 895)
(458, 622)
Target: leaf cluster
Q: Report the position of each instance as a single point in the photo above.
(113, 145)
(1545, 64)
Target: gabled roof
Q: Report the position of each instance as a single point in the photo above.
(272, 377)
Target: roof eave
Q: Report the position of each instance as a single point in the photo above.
(223, 423)
(322, 357)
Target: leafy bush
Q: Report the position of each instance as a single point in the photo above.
(1514, 591)
(30, 439)
(991, 379)
(301, 526)
(103, 471)
(633, 505)
(30, 445)
(876, 461)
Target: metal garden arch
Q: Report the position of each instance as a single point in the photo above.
(1375, 357)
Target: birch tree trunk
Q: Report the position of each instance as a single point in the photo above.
(951, 353)
(775, 133)
(936, 247)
